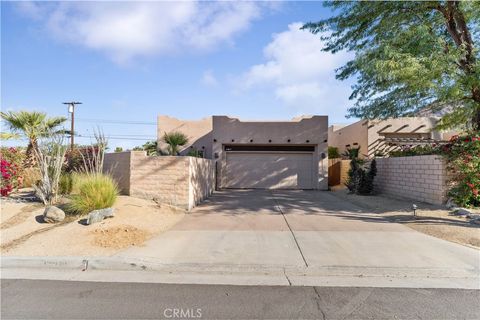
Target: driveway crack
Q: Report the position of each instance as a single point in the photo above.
(277, 205)
(324, 317)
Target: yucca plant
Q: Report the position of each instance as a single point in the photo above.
(33, 125)
(95, 191)
(174, 140)
(50, 155)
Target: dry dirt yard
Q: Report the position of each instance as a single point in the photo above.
(23, 232)
(436, 221)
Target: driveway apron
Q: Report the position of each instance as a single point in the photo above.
(298, 229)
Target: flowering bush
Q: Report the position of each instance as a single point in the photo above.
(12, 169)
(8, 177)
(463, 161)
(419, 150)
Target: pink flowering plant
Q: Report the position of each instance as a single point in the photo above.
(463, 162)
(12, 168)
(9, 173)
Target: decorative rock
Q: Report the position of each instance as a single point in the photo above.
(53, 214)
(461, 212)
(98, 215)
(450, 204)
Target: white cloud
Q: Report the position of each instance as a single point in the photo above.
(208, 79)
(125, 30)
(299, 73)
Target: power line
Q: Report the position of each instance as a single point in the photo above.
(117, 121)
(121, 135)
(118, 138)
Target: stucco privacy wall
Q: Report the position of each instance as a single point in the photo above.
(179, 181)
(420, 178)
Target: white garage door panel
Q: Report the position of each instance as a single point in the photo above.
(269, 170)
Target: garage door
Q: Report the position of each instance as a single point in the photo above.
(269, 170)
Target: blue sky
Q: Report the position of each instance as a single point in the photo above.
(130, 61)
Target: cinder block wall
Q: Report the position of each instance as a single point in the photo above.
(179, 181)
(419, 178)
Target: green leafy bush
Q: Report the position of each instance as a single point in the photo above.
(95, 191)
(333, 153)
(360, 179)
(420, 150)
(463, 163)
(351, 153)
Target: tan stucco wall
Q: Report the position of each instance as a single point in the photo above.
(201, 180)
(369, 133)
(314, 129)
(179, 181)
(353, 133)
(198, 133)
(419, 178)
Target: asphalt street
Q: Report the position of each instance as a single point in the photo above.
(41, 299)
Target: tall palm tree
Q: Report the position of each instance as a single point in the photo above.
(174, 139)
(32, 125)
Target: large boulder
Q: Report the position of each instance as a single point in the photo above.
(98, 215)
(53, 214)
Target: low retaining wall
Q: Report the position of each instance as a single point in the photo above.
(179, 181)
(420, 178)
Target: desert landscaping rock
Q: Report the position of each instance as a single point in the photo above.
(461, 212)
(53, 214)
(98, 215)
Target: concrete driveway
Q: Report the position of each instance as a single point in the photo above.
(308, 230)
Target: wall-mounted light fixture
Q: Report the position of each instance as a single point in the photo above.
(308, 141)
(214, 140)
(251, 140)
(233, 140)
(269, 140)
(289, 140)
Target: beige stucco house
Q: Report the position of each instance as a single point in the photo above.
(378, 137)
(259, 154)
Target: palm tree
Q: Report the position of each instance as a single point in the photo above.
(174, 139)
(32, 125)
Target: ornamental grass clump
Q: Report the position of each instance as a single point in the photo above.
(95, 191)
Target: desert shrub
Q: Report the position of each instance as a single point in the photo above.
(351, 153)
(463, 162)
(195, 153)
(30, 177)
(333, 153)
(95, 191)
(50, 155)
(65, 185)
(360, 179)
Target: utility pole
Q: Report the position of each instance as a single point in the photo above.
(71, 110)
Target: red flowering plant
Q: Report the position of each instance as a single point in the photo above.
(463, 161)
(11, 169)
(8, 177)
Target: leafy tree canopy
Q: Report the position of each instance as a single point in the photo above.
(409, 57)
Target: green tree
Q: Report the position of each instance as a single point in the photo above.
(118, 149)
(174, 140)
(32, 125)
(150, 147)
(410, 56)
